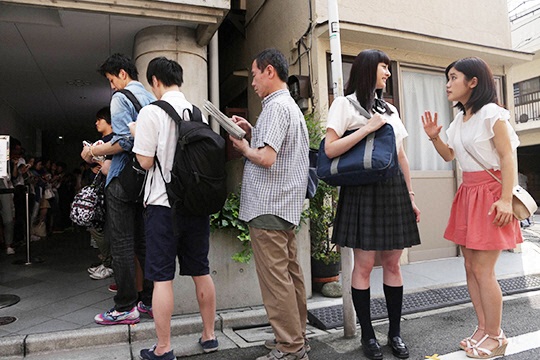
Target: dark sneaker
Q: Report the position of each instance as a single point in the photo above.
(148, 354)
(113, 288)
(145, 309)
(271, 344)
(113, 317)
(278, 355)
(209, 345)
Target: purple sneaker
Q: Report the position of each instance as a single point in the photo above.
(145, 309)
(113, 317)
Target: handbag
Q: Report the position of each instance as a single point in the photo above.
(132, 178)
(40, 229)
(48, 194)
(372, 159)
(88, 206)
(523, 204)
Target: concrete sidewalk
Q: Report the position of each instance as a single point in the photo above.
(237, 328)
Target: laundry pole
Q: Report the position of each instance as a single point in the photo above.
(349, 315)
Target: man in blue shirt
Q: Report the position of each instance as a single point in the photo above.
(124, 223)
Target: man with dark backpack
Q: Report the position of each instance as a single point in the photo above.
(184, 231)
(124, 223)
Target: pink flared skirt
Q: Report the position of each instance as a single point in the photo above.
(470, 225)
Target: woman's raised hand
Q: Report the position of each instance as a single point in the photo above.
(431, 127)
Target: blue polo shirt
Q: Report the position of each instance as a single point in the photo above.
(122, 113)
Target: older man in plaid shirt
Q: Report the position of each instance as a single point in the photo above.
(273, 191)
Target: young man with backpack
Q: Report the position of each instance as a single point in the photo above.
(124, 223)
(171, 233)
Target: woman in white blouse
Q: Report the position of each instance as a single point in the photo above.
(481, 220)
(378, 217)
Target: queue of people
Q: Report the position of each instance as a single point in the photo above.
(141, 240)
(50, 191)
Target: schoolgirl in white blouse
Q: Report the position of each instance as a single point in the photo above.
(481, 220)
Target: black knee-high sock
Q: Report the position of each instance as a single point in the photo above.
(361, 301)
(394, 303)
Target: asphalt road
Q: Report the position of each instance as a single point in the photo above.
(437, 332)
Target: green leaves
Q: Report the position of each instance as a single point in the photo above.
(227, 218)
(322, 207)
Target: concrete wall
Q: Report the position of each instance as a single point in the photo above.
(278, 25)
(179, 44)
(13, 125)
(461, 20)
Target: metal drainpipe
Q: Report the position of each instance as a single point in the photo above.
(213, 56)
(349, 315)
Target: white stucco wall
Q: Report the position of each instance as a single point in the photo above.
(479, 22)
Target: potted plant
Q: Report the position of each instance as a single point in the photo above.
(325, 257)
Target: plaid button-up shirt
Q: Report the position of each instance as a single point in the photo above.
(281, 189)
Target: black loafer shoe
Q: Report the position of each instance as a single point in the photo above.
(372, 349)
(399, 349)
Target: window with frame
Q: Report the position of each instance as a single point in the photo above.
(527, 100)
(424, 90)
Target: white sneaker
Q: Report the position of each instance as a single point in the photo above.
(93, 269)
(102, 273)
(10, 250)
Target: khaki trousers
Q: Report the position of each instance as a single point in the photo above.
(282, 285)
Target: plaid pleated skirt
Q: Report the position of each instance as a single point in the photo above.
(376, 216)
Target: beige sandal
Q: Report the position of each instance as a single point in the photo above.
(483, 353)
(468, 342)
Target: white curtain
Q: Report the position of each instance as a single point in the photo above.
(422, 91)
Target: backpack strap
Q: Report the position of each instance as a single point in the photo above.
(131, 98)
(168, 108)
(196, 115)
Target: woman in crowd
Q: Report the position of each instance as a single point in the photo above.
(481, 220)
(378, 217)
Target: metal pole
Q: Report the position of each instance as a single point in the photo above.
(347, 259)
(213, 55)
(335, 48)
(28, 262)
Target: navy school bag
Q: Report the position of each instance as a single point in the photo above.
(371, 160)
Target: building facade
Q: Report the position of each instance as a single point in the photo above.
(421, 40)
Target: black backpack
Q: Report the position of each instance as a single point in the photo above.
(133, 176)
(198, 178)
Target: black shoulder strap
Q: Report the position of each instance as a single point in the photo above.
(196, 115)
(131, 98)
(168, 109)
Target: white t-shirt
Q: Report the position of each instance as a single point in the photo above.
(156, 135)
(342, 117)
(477, 134)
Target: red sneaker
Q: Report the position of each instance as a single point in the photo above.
(113, 288)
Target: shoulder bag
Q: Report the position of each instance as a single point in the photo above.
(88, 206)
(372, 159)
(133, 176)
(523, 204)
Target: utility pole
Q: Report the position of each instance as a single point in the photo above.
(349, 315)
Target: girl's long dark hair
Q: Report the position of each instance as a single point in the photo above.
(485, 91)
(363, 77)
